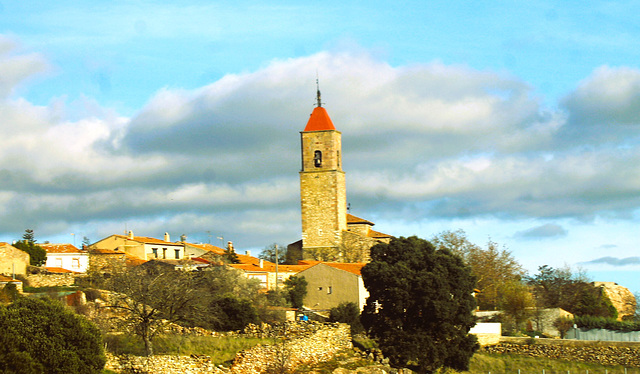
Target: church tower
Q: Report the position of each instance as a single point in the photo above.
(323, 193)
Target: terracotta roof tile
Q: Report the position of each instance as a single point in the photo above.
(355, 220)
(376, 234)
(148, 240)
(270, 267)
(350, 267)
(103, 251)
(207, 247)
(4, 278)
(58, 270)
(61, 248)
(319, 120)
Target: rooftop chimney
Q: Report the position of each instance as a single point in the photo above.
(166, 237)
(130, 234)
(230, 246)
(248, 253)
(261, 263)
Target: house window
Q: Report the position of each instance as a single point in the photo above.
(329, 290)
(164, 253)
(319, 288)
(75, 263)
(317, 158)
(58, 262)
(155, 252)
(177, 254)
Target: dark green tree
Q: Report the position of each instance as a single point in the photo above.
(233, 313)
(29, 236)
(42, 336)
(348, 313)
(37, 255)
(562, 288)
(269, 253)
(420, 305)
(230, 256)
(296, 289)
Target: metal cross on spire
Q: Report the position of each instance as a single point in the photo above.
(319, 103)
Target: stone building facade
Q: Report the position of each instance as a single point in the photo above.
(12, 260)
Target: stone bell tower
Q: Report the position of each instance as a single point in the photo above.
(323, 193)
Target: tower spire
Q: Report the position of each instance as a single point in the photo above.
(319, 103)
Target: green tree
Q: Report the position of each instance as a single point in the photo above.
(349, 313)
(233, 313)
(571, 291)
(273, 252)
(420, 305)
(29, 236)
(42, 336)
(493, 266)
(37, 255)
(230, 256)
(296, 289)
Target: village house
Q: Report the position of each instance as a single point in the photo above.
(67, 257)
(142, 247)
(331, 283)
(12, 260)
(268, 273)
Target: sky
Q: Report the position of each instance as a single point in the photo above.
(517, 122)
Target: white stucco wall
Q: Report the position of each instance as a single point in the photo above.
(78, 262)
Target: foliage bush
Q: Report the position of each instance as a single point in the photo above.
(37, 255)
(42, 336)
(349, 313)
(233, 313)
(296, 288)
(590, 322)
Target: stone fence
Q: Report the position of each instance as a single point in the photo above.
(294, 345)
(51, 280)
(603, 353)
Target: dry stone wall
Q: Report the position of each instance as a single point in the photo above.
(594, 352)
(51, 280)
(304, 343)
(291, 353)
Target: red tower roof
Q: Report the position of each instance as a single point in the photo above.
(319, 120)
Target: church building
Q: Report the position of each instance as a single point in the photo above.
(329, 231)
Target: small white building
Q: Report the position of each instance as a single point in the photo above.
(66, 256)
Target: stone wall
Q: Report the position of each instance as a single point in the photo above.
(51, 280)
(606, 353)
(291, 353)
(304, 343)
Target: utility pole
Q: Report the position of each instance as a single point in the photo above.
(276, 267)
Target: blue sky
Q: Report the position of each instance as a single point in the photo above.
(518, 123)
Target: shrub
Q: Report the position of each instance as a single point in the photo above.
(590, 322)
(347, 313)
(40, 335)
(233, 313)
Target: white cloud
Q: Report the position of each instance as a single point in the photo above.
(421, 141)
